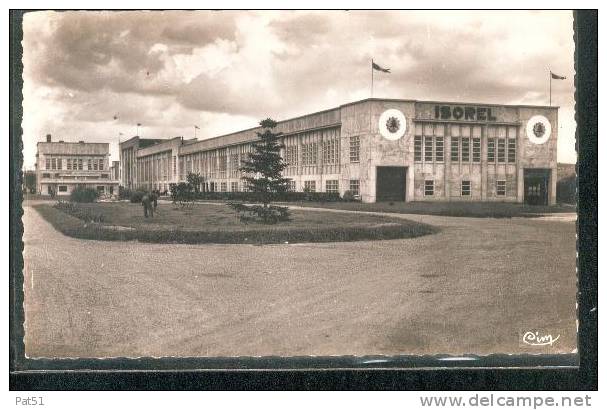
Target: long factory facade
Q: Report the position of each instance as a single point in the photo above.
(379, 150)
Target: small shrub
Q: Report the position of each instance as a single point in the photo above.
(183, 193)
(124, 193)
(195, 180)
(83, 194)
(349, 197)
(271, 214)
(136, 196)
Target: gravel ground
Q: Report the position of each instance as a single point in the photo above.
(475, 287)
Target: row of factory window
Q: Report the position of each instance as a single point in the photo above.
(464, 149)
(426, 149)
(501, 148)
(218, 161)
(309, 153)
(48, 175)
(331, 186)
(63, 188)
(465, 187)
(465, 130)
(156, 167)
(75, 164)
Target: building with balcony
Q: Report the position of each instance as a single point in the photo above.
(62, 166)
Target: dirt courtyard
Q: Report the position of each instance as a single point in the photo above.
(475, 287)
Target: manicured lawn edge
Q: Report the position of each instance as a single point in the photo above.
(452, 209)
(76, 228)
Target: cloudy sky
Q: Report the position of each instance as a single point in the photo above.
(224, 71)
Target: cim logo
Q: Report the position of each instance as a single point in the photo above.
(448, 112)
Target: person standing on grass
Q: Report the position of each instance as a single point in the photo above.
(155, 194)
(147, 203)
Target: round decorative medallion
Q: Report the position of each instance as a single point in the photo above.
(538, 129)
(392, 124)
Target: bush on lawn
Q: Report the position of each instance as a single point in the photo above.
(124, 193)
(136, 196)
(270, 214)
(83, 194)
(183, 193)
(349, 196)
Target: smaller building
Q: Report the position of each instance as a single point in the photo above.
(63, 166)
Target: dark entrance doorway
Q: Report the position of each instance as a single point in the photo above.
(536, 186)
(391, 183)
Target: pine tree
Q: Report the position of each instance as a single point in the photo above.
(262, 174)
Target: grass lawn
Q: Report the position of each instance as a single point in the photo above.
(464, 209)
(208, 223)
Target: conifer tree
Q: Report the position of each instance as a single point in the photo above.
(262, 175)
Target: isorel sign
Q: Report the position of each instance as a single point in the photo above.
(468, 113)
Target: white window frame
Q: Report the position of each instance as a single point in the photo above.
(497, 187)
(310, 186)
(334, 186)
(469, 188)
(354, 186)
(355, 149)
(429, 185)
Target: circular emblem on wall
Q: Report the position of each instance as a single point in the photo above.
(538, 129)
(392, 124)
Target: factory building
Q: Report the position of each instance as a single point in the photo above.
(379, 150)
(62, 166)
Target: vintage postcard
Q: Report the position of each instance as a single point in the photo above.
(204, 184)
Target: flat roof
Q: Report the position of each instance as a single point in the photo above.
(372, 99)
(390, 100)
(73, 148)
(72, 142)
(451, 103)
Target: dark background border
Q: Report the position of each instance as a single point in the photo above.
(405, 372)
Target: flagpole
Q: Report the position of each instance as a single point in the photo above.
(550, 76)
(371, 78)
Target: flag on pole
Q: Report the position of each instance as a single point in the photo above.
(378, 68)
(197, 127)
(557, 77)
(139, 124)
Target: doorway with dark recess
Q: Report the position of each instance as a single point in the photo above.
(536, 182)
(391, 184)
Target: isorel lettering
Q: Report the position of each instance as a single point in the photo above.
(448, 112)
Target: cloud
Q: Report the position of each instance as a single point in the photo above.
(91, 51)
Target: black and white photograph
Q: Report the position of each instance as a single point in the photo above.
(316, 183)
